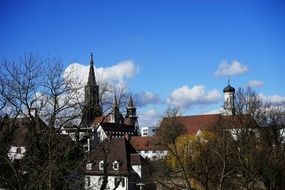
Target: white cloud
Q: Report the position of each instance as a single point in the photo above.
(117, 74)
(185, 97)
(77, 71)
(150, 117)
(235, 68)
(274, 99)
(146, 98)
(255, 84)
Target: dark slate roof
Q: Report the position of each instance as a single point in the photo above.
(118, 130)
(20, 127)
(106, 120)
(229, 88)
(114, 149)
(135, 159)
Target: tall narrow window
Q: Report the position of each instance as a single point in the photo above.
(117, 181)
(88, 181)
(123, 181)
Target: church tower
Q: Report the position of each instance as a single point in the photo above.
(229, 97)
(132, 112)
(92, 108)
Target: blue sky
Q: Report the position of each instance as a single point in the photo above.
(175, 47)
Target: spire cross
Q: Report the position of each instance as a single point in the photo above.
(229, 79)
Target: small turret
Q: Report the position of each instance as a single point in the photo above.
(132, 112)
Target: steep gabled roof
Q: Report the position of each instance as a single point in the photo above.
(112, 129)
(111, 150)
(20, 127)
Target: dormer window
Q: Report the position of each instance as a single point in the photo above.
(116, 165)
(18, 150)
(89, 166)
(101, 165)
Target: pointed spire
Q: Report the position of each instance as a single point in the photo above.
(115, 111)
(91, 77)
(115, 102)
(92, 107)
(91, 60)
(131, 102)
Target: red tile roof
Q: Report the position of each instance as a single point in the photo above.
(195, 123)
(100, 119)
(146, 143)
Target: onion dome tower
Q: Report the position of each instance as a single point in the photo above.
(229, 97)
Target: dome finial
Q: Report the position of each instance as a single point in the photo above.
(229, 88)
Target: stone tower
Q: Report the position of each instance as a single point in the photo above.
(92, 107)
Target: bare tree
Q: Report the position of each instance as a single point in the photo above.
(259, 146)
(109, 91)
(170, 129)
(250, 155)
(62, 98)
(49, 158)
(21, 83)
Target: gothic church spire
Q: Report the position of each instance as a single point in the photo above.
(91, 77)
(92, 108)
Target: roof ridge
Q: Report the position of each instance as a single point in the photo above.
(201, 115)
